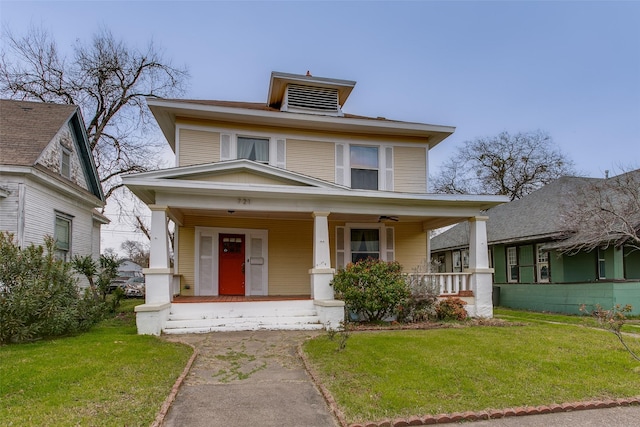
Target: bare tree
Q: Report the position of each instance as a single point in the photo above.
(136, 252)
(602, 213)
(108, 80)
(509, 165)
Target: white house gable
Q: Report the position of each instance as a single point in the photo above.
(61, 156)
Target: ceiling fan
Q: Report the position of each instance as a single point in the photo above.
(383, 218)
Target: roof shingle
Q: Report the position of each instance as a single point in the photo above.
(27, 127)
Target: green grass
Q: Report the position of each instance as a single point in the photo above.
(108, 376)
(395, 374)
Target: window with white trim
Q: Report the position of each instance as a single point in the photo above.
(259, 148)
(65, 162)
(356, 242)
(602, 272)
(256, 149)
(512, 265)
(457, 262)
(364, 167)
(365, 243)
(465, 258)
(62, 236)
(542, 265)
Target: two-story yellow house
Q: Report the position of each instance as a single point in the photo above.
(269, 199)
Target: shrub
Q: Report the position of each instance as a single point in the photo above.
(421, 305)
(39, 294)
(372, 288)
(451, 308)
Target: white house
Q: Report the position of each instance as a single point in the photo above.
(49, 184)
(270, 198)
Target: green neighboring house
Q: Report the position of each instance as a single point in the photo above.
(528, 272)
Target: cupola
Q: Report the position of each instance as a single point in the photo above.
(296, 93)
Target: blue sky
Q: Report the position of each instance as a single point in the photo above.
(569, 68)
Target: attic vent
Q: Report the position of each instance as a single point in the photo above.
(312, 99)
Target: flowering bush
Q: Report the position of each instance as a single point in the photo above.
(372, 288)
(451, 308)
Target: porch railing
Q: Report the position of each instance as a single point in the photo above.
(445, 283)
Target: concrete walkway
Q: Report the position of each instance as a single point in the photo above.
(242, 379)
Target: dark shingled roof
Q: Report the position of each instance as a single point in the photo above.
(536, 216)
(27, 127)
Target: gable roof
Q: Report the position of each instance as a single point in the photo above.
(26, 128)
(536, 216)
(279, 176)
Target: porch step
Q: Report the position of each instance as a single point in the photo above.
(242, 316)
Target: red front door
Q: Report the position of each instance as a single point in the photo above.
(231, 264)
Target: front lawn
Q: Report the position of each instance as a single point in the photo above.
(395, 374)
(108, 376)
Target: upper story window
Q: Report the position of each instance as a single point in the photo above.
(364, 167)
(259, 148)
(65, 162)
(256, 149)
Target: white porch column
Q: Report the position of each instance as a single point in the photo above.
(481, 278)
(330, 311)
(321, 273)
(159, 275)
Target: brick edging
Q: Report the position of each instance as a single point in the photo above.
(333, 406)
(462, 416)
(164, 409)
(502, 413)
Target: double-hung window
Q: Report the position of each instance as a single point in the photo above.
(356, 242)
(365, 243)
(602, 262)
(256, 149)
(512, 264)
(542, 265)
(364, 167)
(62, 236)
(65, 162)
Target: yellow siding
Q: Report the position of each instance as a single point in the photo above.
(293, 133)
(198, 147)
(312, 158)
(186, 259)
(241, 178)
(410, 169)
(290, 250)
(411, 245)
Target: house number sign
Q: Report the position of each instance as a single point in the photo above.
(244, 201)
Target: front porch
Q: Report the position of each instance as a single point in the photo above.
(285, 237)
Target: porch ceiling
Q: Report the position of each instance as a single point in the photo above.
(429, 222)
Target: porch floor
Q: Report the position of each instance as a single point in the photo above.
(181, 299)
